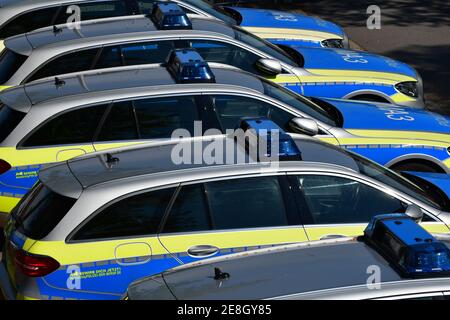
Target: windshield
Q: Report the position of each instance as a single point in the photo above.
(298, 102)
(392, 179)
(10, 62)
(263, 45)
(214, 10)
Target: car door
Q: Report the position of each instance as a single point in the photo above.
(220, 217)
(147, 119)
(333, 205)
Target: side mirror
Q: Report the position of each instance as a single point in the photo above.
(414, 212)
(269, 66)
(304, 125)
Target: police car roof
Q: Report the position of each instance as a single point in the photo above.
(286, 270)
(154, 161)
(88, 83)
(109, 28)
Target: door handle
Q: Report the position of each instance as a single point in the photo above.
(202, 251)
(332, 236)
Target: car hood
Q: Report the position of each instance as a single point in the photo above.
(440, 180)
(380, 116)
(259, 18)
(342, 59)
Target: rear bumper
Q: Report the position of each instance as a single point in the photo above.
(8, 291)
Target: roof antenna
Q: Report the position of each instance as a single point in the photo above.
(110, 160)
(56, 30)
(59, 82)
(219, 275)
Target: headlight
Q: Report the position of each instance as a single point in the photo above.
(409, 88)
(333, 43)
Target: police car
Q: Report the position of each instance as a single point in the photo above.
(334, 73)
(395, 260)
(94, 224)
(55, 120)
(18, 17)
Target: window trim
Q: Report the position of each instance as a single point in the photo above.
(69, 238)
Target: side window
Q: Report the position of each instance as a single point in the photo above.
(146, 53)
(189, 212)
(229, 204)
(110, 57)
(159, 117)
(95, 10)
(120, 123)
(29, 21)
(333, 199)
(246, 203)
(137, 215)
(146, 6)
(68, 63)
(225, 53)
(72, 127)
(230, 110)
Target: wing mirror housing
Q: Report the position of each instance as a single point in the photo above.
(269, 66)
(304, 126)
(414, 212)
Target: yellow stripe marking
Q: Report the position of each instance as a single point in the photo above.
(366, 76)
(8, 203)
(400, 137)
(284, 33)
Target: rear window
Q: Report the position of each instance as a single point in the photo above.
(9, 119)
(10, 62)
(41, 211)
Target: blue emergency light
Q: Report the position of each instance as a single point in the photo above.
(409, 247)
(187, 66)
(168, 15)
(263, 129)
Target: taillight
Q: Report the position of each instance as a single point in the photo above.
(4, 166)
(33, 265)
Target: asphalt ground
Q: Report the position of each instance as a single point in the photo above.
(413, 31)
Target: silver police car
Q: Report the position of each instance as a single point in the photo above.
(142, 40)
(394, 260)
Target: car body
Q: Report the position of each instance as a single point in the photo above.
(271, 25)
(133, 212)
(340, 269)
(419, 145)
(333, 73)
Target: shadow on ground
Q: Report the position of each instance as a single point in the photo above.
(353, 13)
